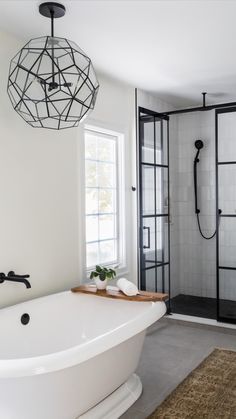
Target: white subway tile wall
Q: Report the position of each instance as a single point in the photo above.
(193, 259)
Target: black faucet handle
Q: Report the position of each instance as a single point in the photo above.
(2, 277)
(13, 274)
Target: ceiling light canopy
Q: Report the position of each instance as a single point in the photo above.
(52, 82)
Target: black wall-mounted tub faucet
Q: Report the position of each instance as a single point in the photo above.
(11, 276)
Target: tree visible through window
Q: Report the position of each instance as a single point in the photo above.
(101, 191)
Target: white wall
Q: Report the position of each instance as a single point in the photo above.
(150, 101)
(197, 256)
(38, 204)
(40, 212)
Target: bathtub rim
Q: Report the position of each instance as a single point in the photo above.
(66, 358)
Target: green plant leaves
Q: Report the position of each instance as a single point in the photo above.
(103, 273)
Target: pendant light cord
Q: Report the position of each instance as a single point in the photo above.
(52, 22)
(52, 36)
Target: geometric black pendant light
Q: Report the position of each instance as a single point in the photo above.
(52, 82)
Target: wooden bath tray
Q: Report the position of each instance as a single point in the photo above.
(144, 296)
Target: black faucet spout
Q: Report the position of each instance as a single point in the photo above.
(11, 276)
(27, 283)
(18, 279)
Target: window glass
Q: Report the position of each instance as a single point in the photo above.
(101, 195)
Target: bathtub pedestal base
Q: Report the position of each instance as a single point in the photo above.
(113, 406)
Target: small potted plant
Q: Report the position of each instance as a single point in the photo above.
(101, 275)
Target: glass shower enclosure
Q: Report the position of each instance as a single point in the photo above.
(207, 268)
(225, 124)
(154, 243)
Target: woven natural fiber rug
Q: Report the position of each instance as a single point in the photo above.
(208, 392)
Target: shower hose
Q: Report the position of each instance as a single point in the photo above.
(197, 210)
(200, 230)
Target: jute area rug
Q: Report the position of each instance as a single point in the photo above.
(208, 392)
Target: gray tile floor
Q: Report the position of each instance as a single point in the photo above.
(171, 351)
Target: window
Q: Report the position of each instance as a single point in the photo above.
(103, 197)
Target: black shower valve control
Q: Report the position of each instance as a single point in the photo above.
(2, 277)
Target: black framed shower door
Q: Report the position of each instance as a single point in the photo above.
(153, 168)
(225, 132)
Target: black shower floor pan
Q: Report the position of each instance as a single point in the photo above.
(205, 307)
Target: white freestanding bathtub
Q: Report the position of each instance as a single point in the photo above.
(74, 359)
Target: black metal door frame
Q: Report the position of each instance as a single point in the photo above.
(219, 214)
(142, 268)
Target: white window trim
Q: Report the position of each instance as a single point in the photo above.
(121, 198)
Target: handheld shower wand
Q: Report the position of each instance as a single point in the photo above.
(199, 145)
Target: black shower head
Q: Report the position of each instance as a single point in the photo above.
(199, 144)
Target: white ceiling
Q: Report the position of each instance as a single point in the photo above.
(174, 48)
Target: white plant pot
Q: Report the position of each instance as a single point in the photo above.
(101, 285)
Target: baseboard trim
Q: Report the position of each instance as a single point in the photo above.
(200, 320)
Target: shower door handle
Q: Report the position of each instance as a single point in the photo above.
(149, 241)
